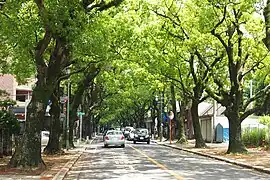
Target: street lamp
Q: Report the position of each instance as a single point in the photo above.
(67, 139)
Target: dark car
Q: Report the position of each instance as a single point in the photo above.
(141, 135)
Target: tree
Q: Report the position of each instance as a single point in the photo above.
(233, 26)
(266, 14)
(55, 27)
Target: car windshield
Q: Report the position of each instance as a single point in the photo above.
(114, 133)
(142, 131)
(127, 129)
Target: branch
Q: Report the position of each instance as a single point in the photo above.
(248, 113)
(214, 96)
(213, 32)
(173, 21)
(66, 76)
(102, 6)
(258, 95)
(182, 83)
(255, 65)
(191, 65)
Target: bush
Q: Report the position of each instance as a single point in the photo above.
(9, 121)
(265, 120)
(255, 137)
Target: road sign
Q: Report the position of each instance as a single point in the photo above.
(80, 113)
(63, 99)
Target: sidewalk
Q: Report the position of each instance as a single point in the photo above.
(59, 170)
(256, 158)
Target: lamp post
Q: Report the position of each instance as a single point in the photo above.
(67, 139)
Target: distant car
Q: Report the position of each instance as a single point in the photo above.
(114, 138)
(45, 137)
(131, 135)
(127, 131)
(141, 135)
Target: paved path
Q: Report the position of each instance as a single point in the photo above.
(143, 161)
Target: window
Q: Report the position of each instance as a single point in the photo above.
(118, 133)
(110, 133)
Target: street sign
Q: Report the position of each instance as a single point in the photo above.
(63, 99)
(80, 113)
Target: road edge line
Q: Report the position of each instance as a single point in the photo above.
(64, 170)
(257, 168)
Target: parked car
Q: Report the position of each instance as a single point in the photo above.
(114, 138)
(131, 135)
(127, 131)
(141, 135)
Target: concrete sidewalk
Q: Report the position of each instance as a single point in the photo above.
(256, 158)
(58, 171)
(62, 171)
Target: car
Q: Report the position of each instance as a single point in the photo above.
(131, 135)
(114, 138)
(127, 131)
(141, 135)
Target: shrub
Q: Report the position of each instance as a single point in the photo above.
(255, 137)
(265, 120)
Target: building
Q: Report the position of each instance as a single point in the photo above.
(211, 115)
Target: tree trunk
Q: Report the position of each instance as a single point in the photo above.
(180, 122)
(196, 125)
(266, 14)
(53, 146)
(28, 153)
(235, 140)
(7, 143)
(71, 126)
(1, 143)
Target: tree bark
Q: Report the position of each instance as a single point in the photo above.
(266, 14)
(7, 143)
(180, 122)
(196, 125)
(1, 143)
(53, 146)
(28, 152)
(235, 140)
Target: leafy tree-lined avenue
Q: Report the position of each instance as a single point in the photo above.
(123, 54)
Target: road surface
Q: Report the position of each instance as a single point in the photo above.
(142, 161)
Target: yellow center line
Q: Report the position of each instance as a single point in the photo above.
(158, 164)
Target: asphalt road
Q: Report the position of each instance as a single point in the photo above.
(142, 161)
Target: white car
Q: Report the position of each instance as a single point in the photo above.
(114, 138)
(131, 135)
(127, 131)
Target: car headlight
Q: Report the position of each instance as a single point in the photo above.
(147, 136)
(136, 135)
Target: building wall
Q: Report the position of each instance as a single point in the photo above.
(8, 83)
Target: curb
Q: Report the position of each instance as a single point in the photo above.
(257, 168)
(64, 170)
